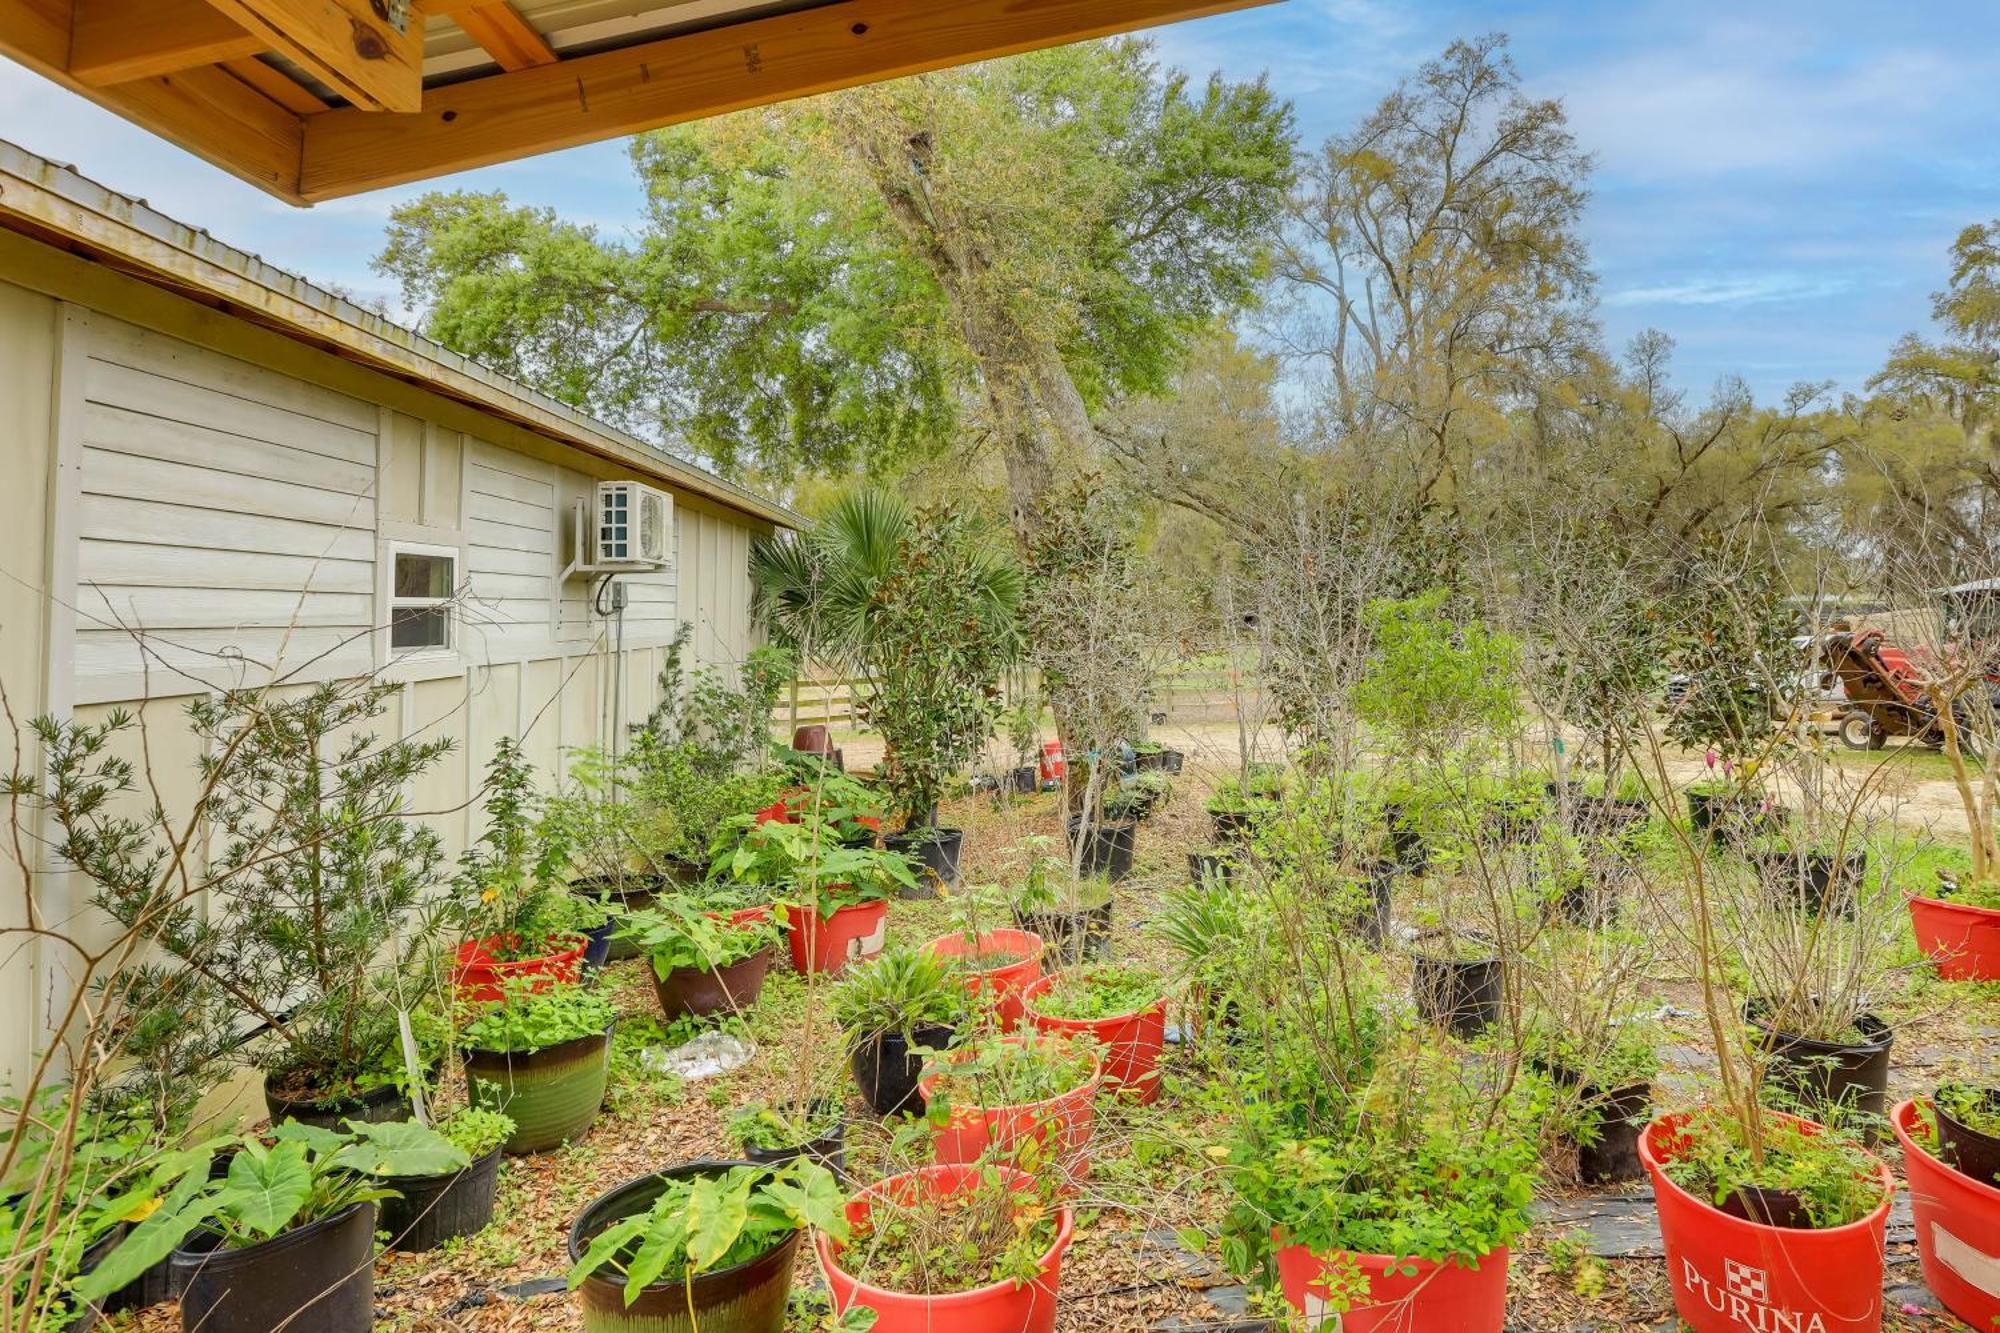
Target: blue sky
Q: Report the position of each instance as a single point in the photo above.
(1777, 181)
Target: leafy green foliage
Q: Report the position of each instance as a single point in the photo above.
(913, 1240)
(677, 934)
(770, 1128)
(997, 1070)
(705, 1223)
(805, 865)
(476, 1131)
(1833, 1177)
(1101, 990)
(1435, 682)
(526, 1020)
(900, 990)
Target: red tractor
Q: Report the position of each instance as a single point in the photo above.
(1886, 695)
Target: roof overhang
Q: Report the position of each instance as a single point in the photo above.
(56, 205)
(315, 99)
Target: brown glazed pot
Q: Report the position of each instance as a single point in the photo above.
(695, 992)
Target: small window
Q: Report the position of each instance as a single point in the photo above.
(421, 587)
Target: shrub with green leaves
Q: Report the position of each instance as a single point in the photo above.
(920, 1243)
(476, 1130)
(1827, 1170)
(706, 1223)
(678, 935)
(1435, 683)
(524, 1021)
(1012, 1070)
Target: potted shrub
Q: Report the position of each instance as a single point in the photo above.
(1105, 845)
(1605, 1076)
(995, 966)
(1023, 724)
(971, 1248)
(815, 1128)
(1458, 978)
(1954, 1197)
(1155, 757)
(703, 964)
(706, 1246)
(896, 1010)
(619, 846)
(430, 1208)
(1012, 1095)
(1802, 1206)
(1119, 1007)
(542, 1058)
(1236, 811)
(835, 898)
(523, 924)
(316, 874)
(1395, 1207)
(1071, 915)
(283, 1237)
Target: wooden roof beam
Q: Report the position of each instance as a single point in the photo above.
(375, 62)
(115, 41)
(587, 98)
(506, 36)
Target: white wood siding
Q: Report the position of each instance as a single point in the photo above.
(227, 521)
(511, 529)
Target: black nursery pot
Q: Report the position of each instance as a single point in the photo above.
(1768, 1207)
(1605, 817)
(933, 852)
(1406, 844)
(1201, 865)
(319, 1277)
(1807, 879)
(435, 1209)
(1717, 813)
(635, 893)
(1233, 825)
(1620, 1116)
(1162, 761)
(1825, 1074)
(887, 1071)
(1372, 921)
(1463, 995)
(1071, 936)
(1107, 849)
(828, 1149)
(373, 1107)
(1964, 1148)
(1024, 781)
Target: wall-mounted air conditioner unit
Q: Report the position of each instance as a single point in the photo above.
(634, 528)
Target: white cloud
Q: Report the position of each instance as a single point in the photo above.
(1747, 289)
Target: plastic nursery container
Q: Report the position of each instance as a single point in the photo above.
(431, 1210)
(320, 1276)
(828, 944)
(1002, 1307)
(479, 976)
(1958, 1228)
(970, 1132)
(1730, 1275)
(1451, 1297)
(1964, 940)
(1001, 986)
(1131, 1043)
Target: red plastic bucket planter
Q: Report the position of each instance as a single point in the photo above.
(479, 976)
(1450, 1297)
(1964, 940)
(828, 944)
(1003, 1307)
(1958, 1228)
(1131, 1042)
(1003, 985)
(1734, 1276)
(1062, 1124)
(1052, 767)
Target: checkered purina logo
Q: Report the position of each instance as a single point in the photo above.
(1750, 1283)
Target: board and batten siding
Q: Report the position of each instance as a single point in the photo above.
(192, 511)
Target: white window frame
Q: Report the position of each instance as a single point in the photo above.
(393, 603)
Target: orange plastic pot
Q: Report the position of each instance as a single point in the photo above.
(1730, 1275)
(1958, 1228)
(1131, 1043)
(828, 944)
(1002, 986)
(1061, 1124)
(1964, 940)
(1051, 767)
(1452, 1297)
(1003, 1307)
(478, 975)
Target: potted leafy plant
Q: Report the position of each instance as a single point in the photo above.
(814, 1127)
(430, 1208)
(1403, 1197)
(1235, 809)
(1949, 1154)
(995, 966)
(1025, 1096)
(835, 897)
(1071, 914)
(522, 922)
(288, 1227)
(1023, 723)
(1154, 757)
(707, 1246)
(1588, 1028)
(967, 1247)
(542, 1058)
(620, 847)
(896, 1009)
(1120, 1008)
(703, 963)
